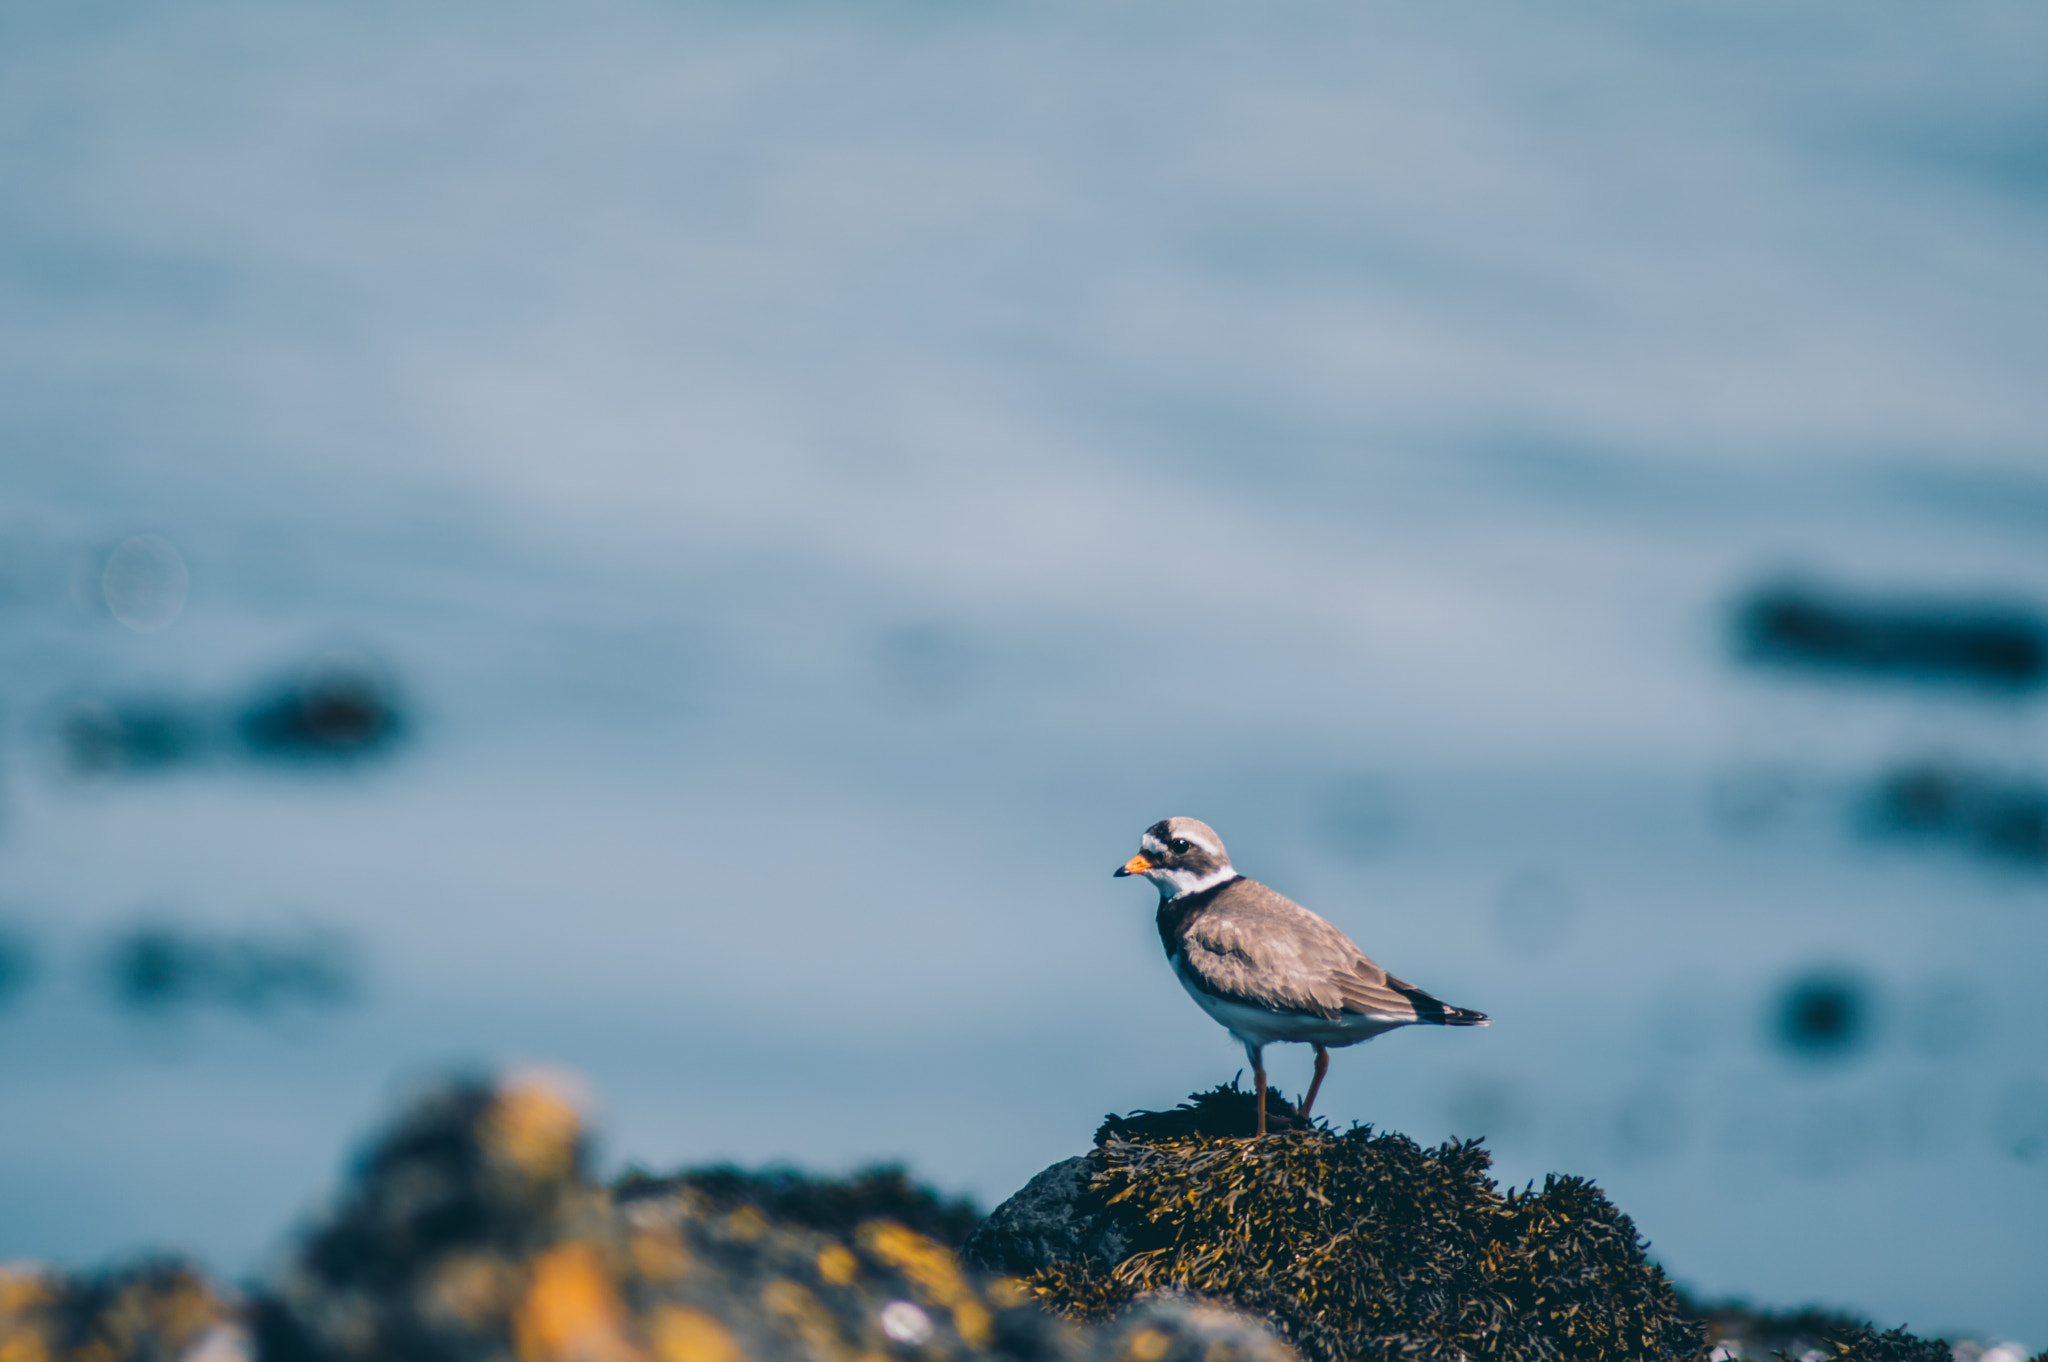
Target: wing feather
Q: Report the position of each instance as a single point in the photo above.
(1257, 946)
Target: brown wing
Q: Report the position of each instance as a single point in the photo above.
(1257, 946)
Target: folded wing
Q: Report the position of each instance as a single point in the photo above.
(1257, 946)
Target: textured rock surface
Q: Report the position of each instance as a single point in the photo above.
(1362, 1246)
(1053, 1219)
(470, 1230)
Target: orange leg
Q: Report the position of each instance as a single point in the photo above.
(1316, 1084)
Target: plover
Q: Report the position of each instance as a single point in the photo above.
(1263, 965)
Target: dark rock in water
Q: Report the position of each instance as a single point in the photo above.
(159, 968)
(339, 708)
(1984, 644)
(1823, 1016)
(159, 1311)
(2000, 816)
(837, 1205)
(18, 962)
(129, 736)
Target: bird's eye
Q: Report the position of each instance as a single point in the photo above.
(1181, 846)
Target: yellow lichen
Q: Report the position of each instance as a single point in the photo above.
(533, 1129)
(20, 1289)
(1146, 1345)
(934, 1273)
(975, 1325)
(659, 1255)
(836, 1265)
(794, 1305)
(470, 1288)
(930, 1265)
(682, 1334)
(1009, 1292)
(571, 1313)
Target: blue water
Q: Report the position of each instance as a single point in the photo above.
(819, 483)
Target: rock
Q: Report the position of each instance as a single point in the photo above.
(836, 1205)
(471, 1231)
(156, 1311)
(1737, 1331)
(338, 708)
(1356, 1245)
(1050, 1221)
(1993, 813)
(1993, 644)
(1191, 1329)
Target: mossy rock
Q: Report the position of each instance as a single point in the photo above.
(1357, 1245)
(1360, 1246)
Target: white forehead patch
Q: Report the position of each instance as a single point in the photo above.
(1151, 845)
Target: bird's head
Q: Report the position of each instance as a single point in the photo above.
(1180, 856)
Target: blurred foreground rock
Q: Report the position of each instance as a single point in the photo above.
(471, 1230)
(154, 1312)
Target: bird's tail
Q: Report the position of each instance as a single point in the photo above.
(1435, 1010)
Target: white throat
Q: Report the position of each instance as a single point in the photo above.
(1175, 884)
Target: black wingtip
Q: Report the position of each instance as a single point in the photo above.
(1436, 1011)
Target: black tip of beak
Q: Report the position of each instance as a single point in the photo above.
(1119, 872)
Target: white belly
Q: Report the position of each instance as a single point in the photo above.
(1256, 1026)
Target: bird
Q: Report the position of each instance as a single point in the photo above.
(1264, 966)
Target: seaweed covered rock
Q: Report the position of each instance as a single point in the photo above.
(1054, 1219)
(1362, 1245)
(1357, 1245)
(471, 1231)
(160, 1311)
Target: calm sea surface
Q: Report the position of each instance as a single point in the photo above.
(685, 543)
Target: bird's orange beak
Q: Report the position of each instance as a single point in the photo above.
(1137, 865)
